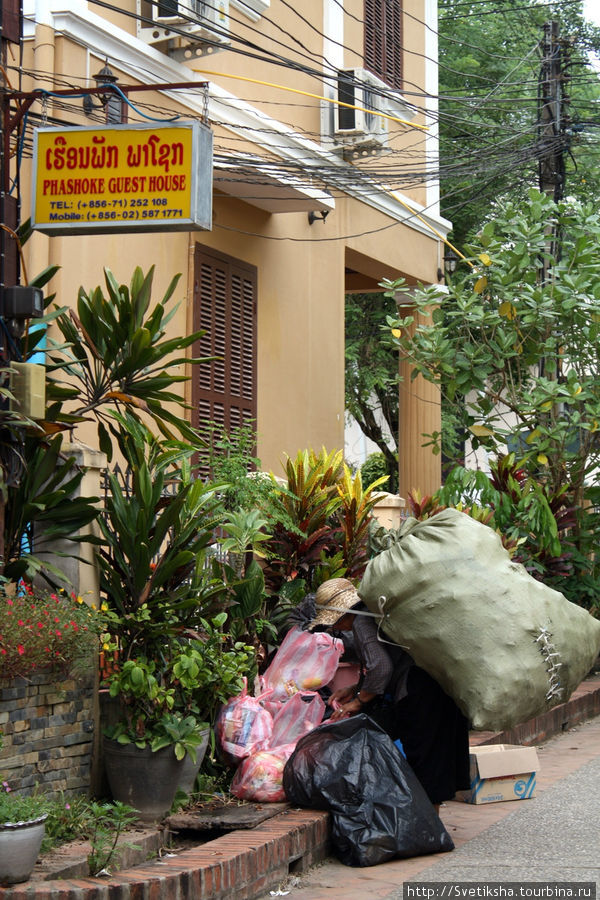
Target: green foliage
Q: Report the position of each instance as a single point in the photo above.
(509, 343)
(107, 821)
(12, 425)
(154, 545)
(70, 819)
(18, 808)
(371, 375)
(229, 457)
(169, 699)
(116, 355)
(67, 820)
(309, 502)
(330, 510)
(115, 362)
(354, 515)
(489, 104)
(375, 467)
(245, 533)
(43, 507)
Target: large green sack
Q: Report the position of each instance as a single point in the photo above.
(505, 646)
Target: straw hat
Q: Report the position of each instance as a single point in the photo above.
(333, 599)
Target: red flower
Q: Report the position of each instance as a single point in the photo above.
(40, 624)
(58, 633)
(3, 651)
(20, 649)
(10, 603)
(21, 622)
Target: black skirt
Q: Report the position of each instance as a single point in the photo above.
(434, 735)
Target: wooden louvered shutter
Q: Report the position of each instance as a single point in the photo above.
(224, 391)
(383, 40)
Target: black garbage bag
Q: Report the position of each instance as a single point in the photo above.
(379, 809)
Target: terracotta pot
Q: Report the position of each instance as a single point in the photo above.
(20, 844)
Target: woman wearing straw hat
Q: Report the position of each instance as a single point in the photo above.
(401, 697)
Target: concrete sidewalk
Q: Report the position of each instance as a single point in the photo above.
(552, 837)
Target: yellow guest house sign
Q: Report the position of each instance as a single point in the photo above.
(122, 178)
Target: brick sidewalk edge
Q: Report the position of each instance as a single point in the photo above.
(243, 865)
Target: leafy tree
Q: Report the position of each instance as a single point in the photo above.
(514, 345)
(490, 63)
(372, 376)
(115, 356)
(490, 58)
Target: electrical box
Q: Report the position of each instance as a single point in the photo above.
(28, 387)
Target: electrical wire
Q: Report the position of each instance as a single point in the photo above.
(508, 153)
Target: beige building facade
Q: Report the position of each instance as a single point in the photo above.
(310, 199)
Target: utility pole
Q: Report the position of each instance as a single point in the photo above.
(553, 137)
(552, 120)
(10, 38)
(11, 20)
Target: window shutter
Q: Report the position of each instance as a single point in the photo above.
(224, 390)
(383, 40)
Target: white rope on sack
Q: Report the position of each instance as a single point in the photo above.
(552, 657)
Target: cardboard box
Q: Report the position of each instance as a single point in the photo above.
(502, 772)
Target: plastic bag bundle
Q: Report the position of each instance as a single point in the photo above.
(379, 809)
(259, 777)
(243, 726)
(505, 646)
(296, 717)
(304, 662)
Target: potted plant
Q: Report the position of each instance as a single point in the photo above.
(22, 828)
(165, 709)
(174, 664)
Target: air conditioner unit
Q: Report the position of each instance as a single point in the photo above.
(179, 18)
(356, 122)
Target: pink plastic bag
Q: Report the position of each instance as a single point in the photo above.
(260, 776)
(243, 726)
(304, 662)
(296, 717)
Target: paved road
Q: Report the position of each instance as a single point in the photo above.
(554, 837)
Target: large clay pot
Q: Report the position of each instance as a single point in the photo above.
(145, 780)
(190, 769)
(20, 844)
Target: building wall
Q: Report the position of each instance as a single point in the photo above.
(379, 227)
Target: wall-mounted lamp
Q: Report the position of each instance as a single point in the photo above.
(19, 303)
(108, 100)
(315, 217)
(450, 264)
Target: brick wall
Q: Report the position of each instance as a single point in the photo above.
(48, 732)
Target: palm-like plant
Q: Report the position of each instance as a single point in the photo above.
(154, 543)
(354, 515)
(304, 529)
(115, 358)
(43, 508)
(116, 355)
